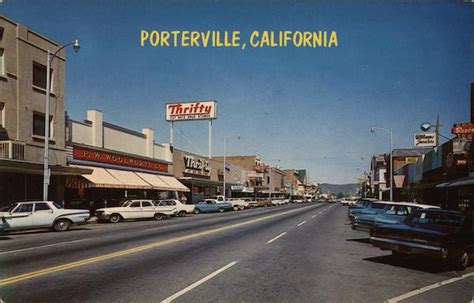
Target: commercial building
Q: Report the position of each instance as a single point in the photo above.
(378, 175)
(124, 164)
(205, 176)
(23, 59)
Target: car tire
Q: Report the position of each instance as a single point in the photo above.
(221, 210)
(461, 261)
(235, 208)
(158, 217)
(182, 213)
(115, 218)
(61, 225)
(197, 211)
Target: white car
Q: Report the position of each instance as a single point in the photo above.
(42, 214)
(183, 209)
(237, 203)
(278, 202)
(135, 209)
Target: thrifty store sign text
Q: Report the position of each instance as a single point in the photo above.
(233, 39)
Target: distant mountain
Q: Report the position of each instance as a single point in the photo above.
(345, 189)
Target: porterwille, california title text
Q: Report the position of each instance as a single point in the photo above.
(257, 39)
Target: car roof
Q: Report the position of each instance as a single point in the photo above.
(424, 206)
(439, 210)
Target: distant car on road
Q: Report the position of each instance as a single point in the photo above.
(135, 209)
(439, 233)
(41, 214)
(211, 205)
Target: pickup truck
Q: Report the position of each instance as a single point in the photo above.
(41, 214)
(211, 205)
(237, 204)
(183, 209)
(135, 209)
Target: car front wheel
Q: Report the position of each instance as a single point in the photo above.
(61, 225)
(114, 218)
(197, 211)
(221, 210)
(182, 213)
(462, 260)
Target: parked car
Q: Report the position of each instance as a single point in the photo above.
(211, 205)
(361, 203)
(444, 234)
(135, 209)
(392, 214)
(261, 202)
(41, 214)
(297, 200)
(375, 208)
(182, 209)
(277, 202)
(237, 203)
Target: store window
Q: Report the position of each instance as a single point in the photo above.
(39, 75)
(2, 114)
(2, 62)
(38, 125)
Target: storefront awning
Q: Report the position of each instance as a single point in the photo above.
(114, 178)
(24, 167)
(174, 183)
(466, 181)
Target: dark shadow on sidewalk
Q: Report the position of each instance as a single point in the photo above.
(5, 238)
(361, 240)
(425, 264)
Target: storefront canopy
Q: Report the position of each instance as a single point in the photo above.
(114, 178)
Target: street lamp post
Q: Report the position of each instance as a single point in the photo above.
(373, 129)
(223, 173)
(50, 57)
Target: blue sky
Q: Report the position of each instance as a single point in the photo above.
(398, 64)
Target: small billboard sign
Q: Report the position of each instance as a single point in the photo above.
(197, 110)
(424, 139)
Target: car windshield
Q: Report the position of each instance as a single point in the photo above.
(126, 203)
(434, 218)
(377, 206)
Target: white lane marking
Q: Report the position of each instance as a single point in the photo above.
(197, 283)
(427, 288)
(301, 223)
(276, 238)
(41, 246)
(314, 216)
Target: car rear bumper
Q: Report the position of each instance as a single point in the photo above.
(408, 247)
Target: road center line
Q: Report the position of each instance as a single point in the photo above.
(427, 288)
(277, 237)
(301, 223)
(66, 266)
(197, 283)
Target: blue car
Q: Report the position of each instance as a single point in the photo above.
(374, 208)
(393, 213)
(211, 205)
(361, 203)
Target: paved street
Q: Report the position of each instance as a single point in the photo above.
(293, 253)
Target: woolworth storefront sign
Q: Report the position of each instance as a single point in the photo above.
(99, 156)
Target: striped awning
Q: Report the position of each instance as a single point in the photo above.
(123, 179)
